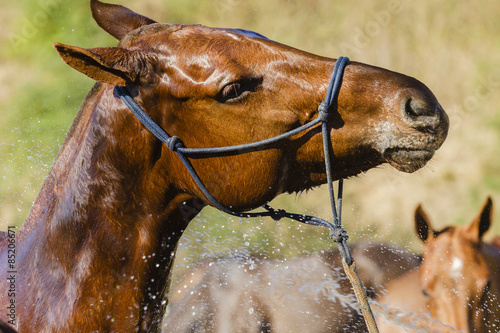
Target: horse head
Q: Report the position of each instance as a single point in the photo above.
(455, 275)
(214, 87)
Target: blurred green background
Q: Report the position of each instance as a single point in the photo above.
(452, 46)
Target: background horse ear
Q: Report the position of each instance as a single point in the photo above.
(113, 65)
(117, 20)
(482, 222)
(423, 224)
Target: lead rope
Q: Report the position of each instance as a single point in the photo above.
(337, 233)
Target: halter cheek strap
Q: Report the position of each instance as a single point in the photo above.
(337, 233)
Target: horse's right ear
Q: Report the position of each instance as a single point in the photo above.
(482, 222)
(423, 224)
(113, 65)
(117, 20)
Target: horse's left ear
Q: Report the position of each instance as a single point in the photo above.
(113, 65)
(482, 222)
(117, 20)
(423, 225)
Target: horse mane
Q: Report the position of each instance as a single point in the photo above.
(81, 110)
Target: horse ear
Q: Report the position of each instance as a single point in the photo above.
(112, 65)
(482, 222)
(117, 20)
(423, 224)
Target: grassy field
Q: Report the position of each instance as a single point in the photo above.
(452, 46)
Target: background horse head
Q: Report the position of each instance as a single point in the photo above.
(458, 281)
(459, 273)
(97, 245)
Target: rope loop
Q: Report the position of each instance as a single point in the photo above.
(173, 143)
(338, 235)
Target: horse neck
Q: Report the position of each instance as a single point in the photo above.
(105, 209)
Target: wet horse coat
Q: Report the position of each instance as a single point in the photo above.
(458, 283)
(95, 251)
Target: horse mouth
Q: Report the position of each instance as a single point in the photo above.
(408, 160)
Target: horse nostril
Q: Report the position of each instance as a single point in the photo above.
(416, 108)
(422, 114)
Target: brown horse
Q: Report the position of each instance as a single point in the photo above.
(303, 294)
(95, 251)
(458, 283)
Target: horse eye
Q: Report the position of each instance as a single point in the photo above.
(236, 91)
(231, 91)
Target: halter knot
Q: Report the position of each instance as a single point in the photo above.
(277, 214)
(323, 111)
(338, 235)
(173, 143)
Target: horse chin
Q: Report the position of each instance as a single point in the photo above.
(408, 160)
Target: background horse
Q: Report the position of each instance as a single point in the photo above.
(304, 294)
(458, 282)
(95, 251)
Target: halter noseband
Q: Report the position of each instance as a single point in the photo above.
(337, 233)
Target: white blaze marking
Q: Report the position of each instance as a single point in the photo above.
(457, 266)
